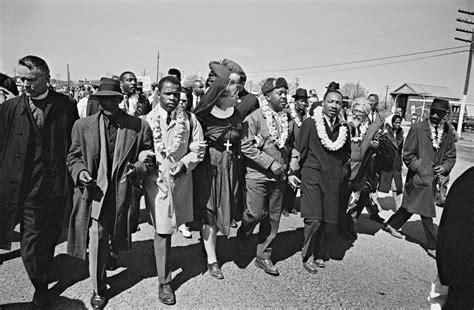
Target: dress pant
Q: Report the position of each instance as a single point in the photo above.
(41, 229)
(316, 237)
(364, 201)
(402, 216)
(162, 247)
(264, 207)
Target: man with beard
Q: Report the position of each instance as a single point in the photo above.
(324, 152)
(297, 114)
(35, 134)
(265, 149)
(429, 153)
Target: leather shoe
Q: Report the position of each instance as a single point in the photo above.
(375, 217)
(233, 224)
(215, 270)
(166, 294)
(319, 263)
(267, 266)
(285, 213)
(97, 301)
(432, 253)
(310, 266)
(395, 233)
(294, 212)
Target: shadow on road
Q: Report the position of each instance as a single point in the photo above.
(59, 303)
(414, 232)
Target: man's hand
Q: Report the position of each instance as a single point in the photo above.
(198, 147)
(177, 169)
(148, 157)
(85, 178)
(439, 170)
(276, 168)
(294, 164)
(293, 181)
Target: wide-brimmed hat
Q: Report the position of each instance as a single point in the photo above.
(300, 93)
(109, 87)
(440, 104)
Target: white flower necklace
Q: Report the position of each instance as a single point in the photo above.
(323, 136)
(154, 121)
(436, 137)
(294, 115)
(363, 130)
(282, 120)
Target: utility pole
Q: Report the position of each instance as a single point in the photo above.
(68, 79)
(158, 66)
(469, 64)
(297, 83)
(386, 95)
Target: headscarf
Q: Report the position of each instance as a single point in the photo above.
(210, 98)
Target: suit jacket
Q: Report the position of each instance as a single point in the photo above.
(15, 131)
(133, 136)
(420, 158)
(247, 103)
(170, 200)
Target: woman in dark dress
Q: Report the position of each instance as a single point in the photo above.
(392, 179)
(217, 190)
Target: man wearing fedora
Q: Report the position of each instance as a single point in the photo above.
(296, 115)
(34, 182)
(103, 146)
(429, 153)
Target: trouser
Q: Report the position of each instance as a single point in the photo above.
(264, 207)
(162, 247)
(316, 237)
(402, 216)
(365, 201)
(41, 229)
(288, 198)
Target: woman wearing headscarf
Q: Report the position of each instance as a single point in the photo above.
(217, 187)
(392, 178)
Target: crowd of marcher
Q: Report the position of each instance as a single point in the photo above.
(211, 153)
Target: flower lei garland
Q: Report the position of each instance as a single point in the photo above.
(363, 130)
(436, 138)
(323, 136)
(282, 119)
(154, 121)
(294, 115)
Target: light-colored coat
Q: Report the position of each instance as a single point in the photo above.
(420, 158)
(169, 200)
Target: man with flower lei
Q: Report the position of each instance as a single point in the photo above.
(169, 186)
(430, 154)
(296, 114)
(265, 149)
(324, 151)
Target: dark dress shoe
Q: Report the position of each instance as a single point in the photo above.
(285, 213)
(267, 266)
(294, 212)
(233, 224)
(112, 263)
(375, 217)
(215, 270)
(319, 263)
(97, 301)
(310, 266)
(395, 233)
(166, 294)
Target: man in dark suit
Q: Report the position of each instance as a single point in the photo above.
(323, 151)
(374, 116)
(34, 182)
(103, 146)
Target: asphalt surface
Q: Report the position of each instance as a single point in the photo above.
(375, 271)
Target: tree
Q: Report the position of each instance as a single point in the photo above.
(188, 80)
(353, 90)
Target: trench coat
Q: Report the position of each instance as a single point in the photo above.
(169, 200)
(421, 158)
(15, 130)
(133, 136)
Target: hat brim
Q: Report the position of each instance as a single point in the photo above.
(298, 96)
(107, 93)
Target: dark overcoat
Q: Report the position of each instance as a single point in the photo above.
(420, 157)
(322, 172)
(395, 173)
(15, 131)
(133, 136)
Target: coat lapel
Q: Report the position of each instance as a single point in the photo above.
(123, 143)
(91, 135)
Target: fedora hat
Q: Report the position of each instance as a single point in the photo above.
(300, 93)
(440, 104)
(108, 87)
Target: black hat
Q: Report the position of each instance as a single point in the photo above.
(272, 83)
(300, 93)
(440, 104)
(333, 86)
(109, 87)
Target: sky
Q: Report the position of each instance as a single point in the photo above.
(267, 38)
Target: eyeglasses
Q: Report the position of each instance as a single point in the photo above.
(360, 112)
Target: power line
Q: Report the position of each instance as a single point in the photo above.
(360, 61)
(381, 64)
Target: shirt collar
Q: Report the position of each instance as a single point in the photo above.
(42, 96)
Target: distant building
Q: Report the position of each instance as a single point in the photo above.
(414, 100)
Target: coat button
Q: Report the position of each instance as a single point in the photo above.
(17, 156)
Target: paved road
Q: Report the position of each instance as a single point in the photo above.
(375, 271)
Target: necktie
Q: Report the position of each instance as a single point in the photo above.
(331, 123)
(168, 118)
